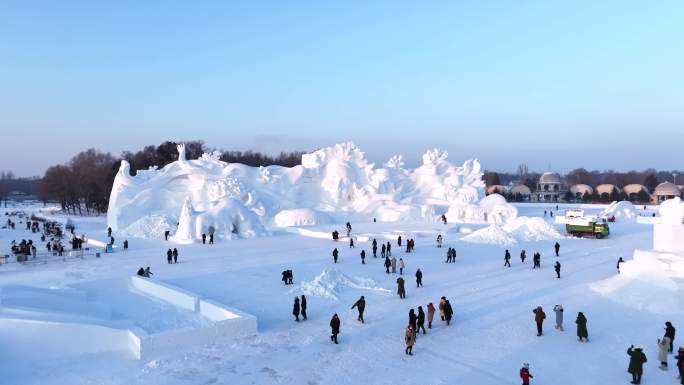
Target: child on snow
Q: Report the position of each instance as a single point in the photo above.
(525, 374)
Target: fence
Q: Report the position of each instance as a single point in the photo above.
(50, 256)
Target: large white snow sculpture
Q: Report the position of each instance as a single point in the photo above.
(333, 184)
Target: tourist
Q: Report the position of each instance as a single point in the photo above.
(557, 248)
(296, 309)
(410, 338)
(525, 374)
(334, 254)
(421, 320)
(419, 278)
(334, 327)
(400, 287)
(448, 311)
(169, 256)
(507, 258)
(557, 267)
(175, 255)
(360, 305)
(670, 333)
(558, 309)
(582, 333)
(539, 317)
(637, 359)
(303, 307)
(401, 266)
(363, 257)
(430, 314)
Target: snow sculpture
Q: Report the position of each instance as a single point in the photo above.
(333, 184)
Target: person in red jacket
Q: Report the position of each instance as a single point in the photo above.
(525, 374)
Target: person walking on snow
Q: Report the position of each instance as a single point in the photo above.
(670, 333)
(399, 241)
(536, 259)
(334, 328)
(383, 253)
(539, 317)
(620, 260)
(413, 320)
(663, 347)
(349, 228)
(507, 259)
(375, 248)
(303, 306)
(582, 333)
(401, 266)
(389, 249)
(334, 254)
(351, 242)
(388, 264)
(442, 302)
(296, 308)
(448, 311)
(525, 374)
(637, 359)
(680, 363)
(394, 265)
(557, 248)
(410, 339)
(175, 255)
(419, 278)
(204, 238)
(430, 314)
(169, 256)
(363, 257)
(360, 305)
(421, 320)
(557, 267)
(400, 288)
(522, 256)
(439, 241)
(558, 309)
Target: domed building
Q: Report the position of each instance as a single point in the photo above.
(604, 191)
(633, 190)
(579, 190)
(550, 188)
(665, 191)
(521, 193)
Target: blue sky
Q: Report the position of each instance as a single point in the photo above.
(551, 84)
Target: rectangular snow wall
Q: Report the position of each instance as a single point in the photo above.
(60, 339)
(223, 323)
(648, 220)
(668, 238)
(173, 295)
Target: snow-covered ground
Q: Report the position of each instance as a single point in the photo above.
(492, 333)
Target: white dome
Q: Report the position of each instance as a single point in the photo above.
(606, 188)
(668, 189)
(582, 189)
(634, 188)
(550, 177)
(521, 189)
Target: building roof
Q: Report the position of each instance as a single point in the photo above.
(606, 188)
(550, 177)
(581, 188)
(634, 188)
(521, 189)
(667, 188)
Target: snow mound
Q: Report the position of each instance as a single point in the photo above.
(492, 234)
(531, 229)
(331, 282)
(300, 217)
(621, 210)
(639, 294)
(672, 211)
(150, 226)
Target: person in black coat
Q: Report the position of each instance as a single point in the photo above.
(204, 238)
(421, 320)
(375, 248)
(211, 238)
(169, 256)
(360, 305)
(399, 241)
(334, 327)
(334, 254)
(448, 311)
(141, 272)
(557, 248)
(383, 251)
(419, 278)
(389, 249)
(507, 259)
(363, 257)
(522, 256)
(637, 359)
(670, 332)
(557, 267)
(413, 320)
(175, 255)
(303, 305)
(388, 263)
(296, 309)
(401, 290)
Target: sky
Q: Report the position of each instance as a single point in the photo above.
(555, 85)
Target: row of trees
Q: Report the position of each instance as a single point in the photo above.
(83, 185)
(642, 197)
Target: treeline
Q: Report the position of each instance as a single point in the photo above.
(83, 185)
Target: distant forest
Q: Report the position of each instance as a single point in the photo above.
(83, 184)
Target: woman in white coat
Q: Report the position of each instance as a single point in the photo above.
(663, 349)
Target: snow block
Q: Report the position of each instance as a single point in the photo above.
(668, 238)
(166, 293)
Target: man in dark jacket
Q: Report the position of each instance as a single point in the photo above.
(303, 305)
(169, 256)
(334, 254)
(419, 278)
(204, 238)
(296, 308)
(421, 320)
(400, 289)
(670, 332)
(388, 263)
(334, 327)
(360, 305)
(507, 259)
(363, 257)
(637, 359)
(539, 317)
(413, 320)
(557, 267)
(175, 255)
(448, 311)
(557, 248)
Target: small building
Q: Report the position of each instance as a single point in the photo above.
(634, 190)
(605, 190)
(579, 190)
(665, 191)
(549, 188)
(521, 193)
